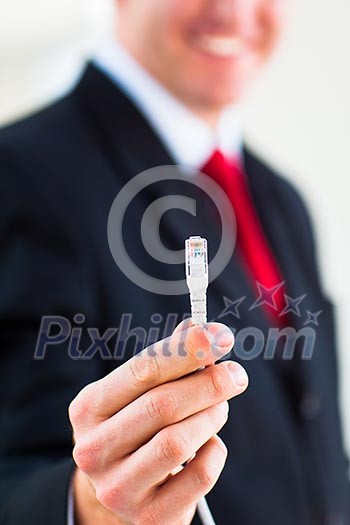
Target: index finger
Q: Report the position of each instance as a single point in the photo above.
(180, 354)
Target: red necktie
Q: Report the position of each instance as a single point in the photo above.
(251, 240)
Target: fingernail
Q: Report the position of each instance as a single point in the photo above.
(223, 407)
(238, 374)
(220, 335)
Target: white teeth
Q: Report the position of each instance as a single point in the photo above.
(220, 45)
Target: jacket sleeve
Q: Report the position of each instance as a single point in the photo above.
(330, 365)
(41, 274)
(39, 496)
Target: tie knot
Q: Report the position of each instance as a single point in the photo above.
(222, 169)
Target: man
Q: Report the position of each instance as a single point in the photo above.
(163, 95)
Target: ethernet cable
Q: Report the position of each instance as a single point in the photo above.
(197, 281)
(197, 277)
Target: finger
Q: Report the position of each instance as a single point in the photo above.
(171, 447)
(184, 325)
(167, 360)
(192, 483)
(167, 404)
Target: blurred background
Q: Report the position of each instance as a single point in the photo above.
(297, 116)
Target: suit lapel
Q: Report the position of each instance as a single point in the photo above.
(121, 129)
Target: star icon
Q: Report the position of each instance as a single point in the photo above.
(266, 295)
(312, 318)
(292, 305)
(231, 307)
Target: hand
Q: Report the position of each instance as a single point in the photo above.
(136, 428)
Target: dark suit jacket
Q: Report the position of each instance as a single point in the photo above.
(60, 172)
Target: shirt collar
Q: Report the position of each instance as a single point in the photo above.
(189, 140)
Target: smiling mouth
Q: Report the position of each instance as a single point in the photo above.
(220, 46)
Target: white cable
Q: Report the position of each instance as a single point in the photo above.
(204, 513)
(197, 282)
(197, 277)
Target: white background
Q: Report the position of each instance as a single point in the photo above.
(297, 116)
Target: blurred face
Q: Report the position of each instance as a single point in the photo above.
(206, 52)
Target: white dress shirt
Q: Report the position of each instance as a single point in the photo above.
(189, 140)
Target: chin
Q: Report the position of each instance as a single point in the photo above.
(222, 96)
(221, 87)
(215, 96)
